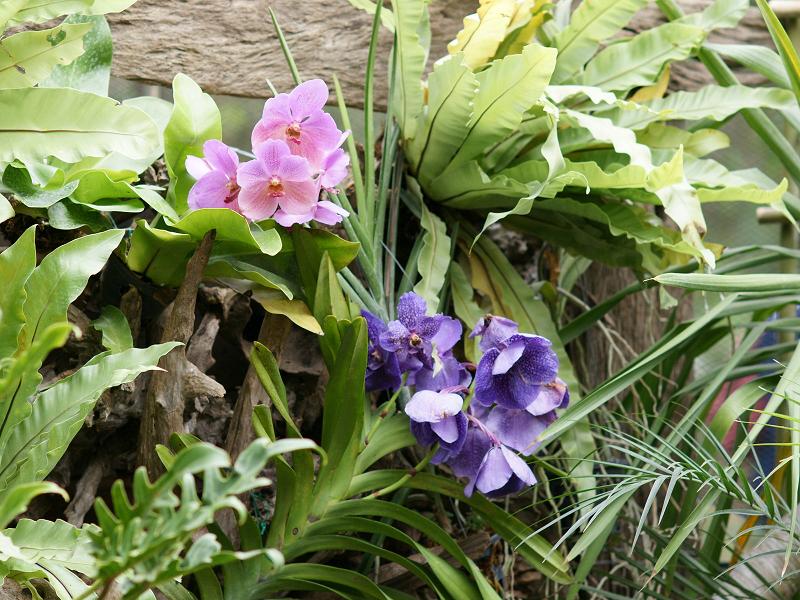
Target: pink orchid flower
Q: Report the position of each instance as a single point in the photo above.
(276, 178)
(324, 212)
(298, 119)
(216, 185)
(334, 169)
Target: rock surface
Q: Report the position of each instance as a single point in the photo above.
(229, 46)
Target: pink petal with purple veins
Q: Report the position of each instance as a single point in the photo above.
(256, 203)
(334, 168)
(287, 220)
(251, 174)
(299, 197)
(294, 168)
(307, 98)
(270, 155)
(221, 157)
(210, 191)
(197, 167)
(328, 213)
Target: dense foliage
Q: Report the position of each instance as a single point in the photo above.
(453, 404)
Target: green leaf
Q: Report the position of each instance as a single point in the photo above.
(28, 58)
(116, 331)
(296, 310)
(38, 11)
(67, 214)
(343, 416)
(508, 88)
(60, 279)
(16, 265)
(785, 46)
(15, 501)
(760, 59)
(412, 35)
(639, 61)
(731, 283)
(53, 543)
(451, 90)
(230, 227)
(91, 72)
(33, 447)
(393, 434)
(593, 22)
(156, 108)
(19, 182)
(720, 13)
(195, 119)
(37, 123)
(434, 259)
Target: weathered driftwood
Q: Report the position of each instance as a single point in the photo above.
(229, 46)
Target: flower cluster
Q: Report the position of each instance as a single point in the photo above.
(515, 392)
(298, 153)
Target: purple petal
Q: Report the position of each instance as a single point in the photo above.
(508, 357)
(448, 372)
(486, 391)
(517, 429)
(221, 157)
(494, 331)
(468, 460)
(411, 309)
(494, 471)
(431, 407)
(307, 98)
(448, 334)
(423, 433)
(210, 191)
(446, 429)
(550, 397)
(394, 337)
(538, 363)
(196, 166)
(518, 466)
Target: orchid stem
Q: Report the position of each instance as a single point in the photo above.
(407, 477)
(387, 410)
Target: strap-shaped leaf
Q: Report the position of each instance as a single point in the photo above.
(508, 88)
(33, 447)
(451, 89)
(16, 265)
(639, 61)
(15, 501)
(434, 259)
(484, 31)
(28, 57)
(412, 35)
(594, 21)
(36, 123)
(38, 11)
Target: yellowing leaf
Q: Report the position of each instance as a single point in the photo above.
(655, 91)
(274, 302)
(484, 31)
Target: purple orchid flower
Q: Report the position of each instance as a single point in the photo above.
(298, 119)
(447, 371)
(215, 172)
(334, 169)
(324, 212)
(493, 331)
(437, 417)
(414, 336)
(520, 428)
(383, 368)
(489, 465)
(512, 376)
(277, 178)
